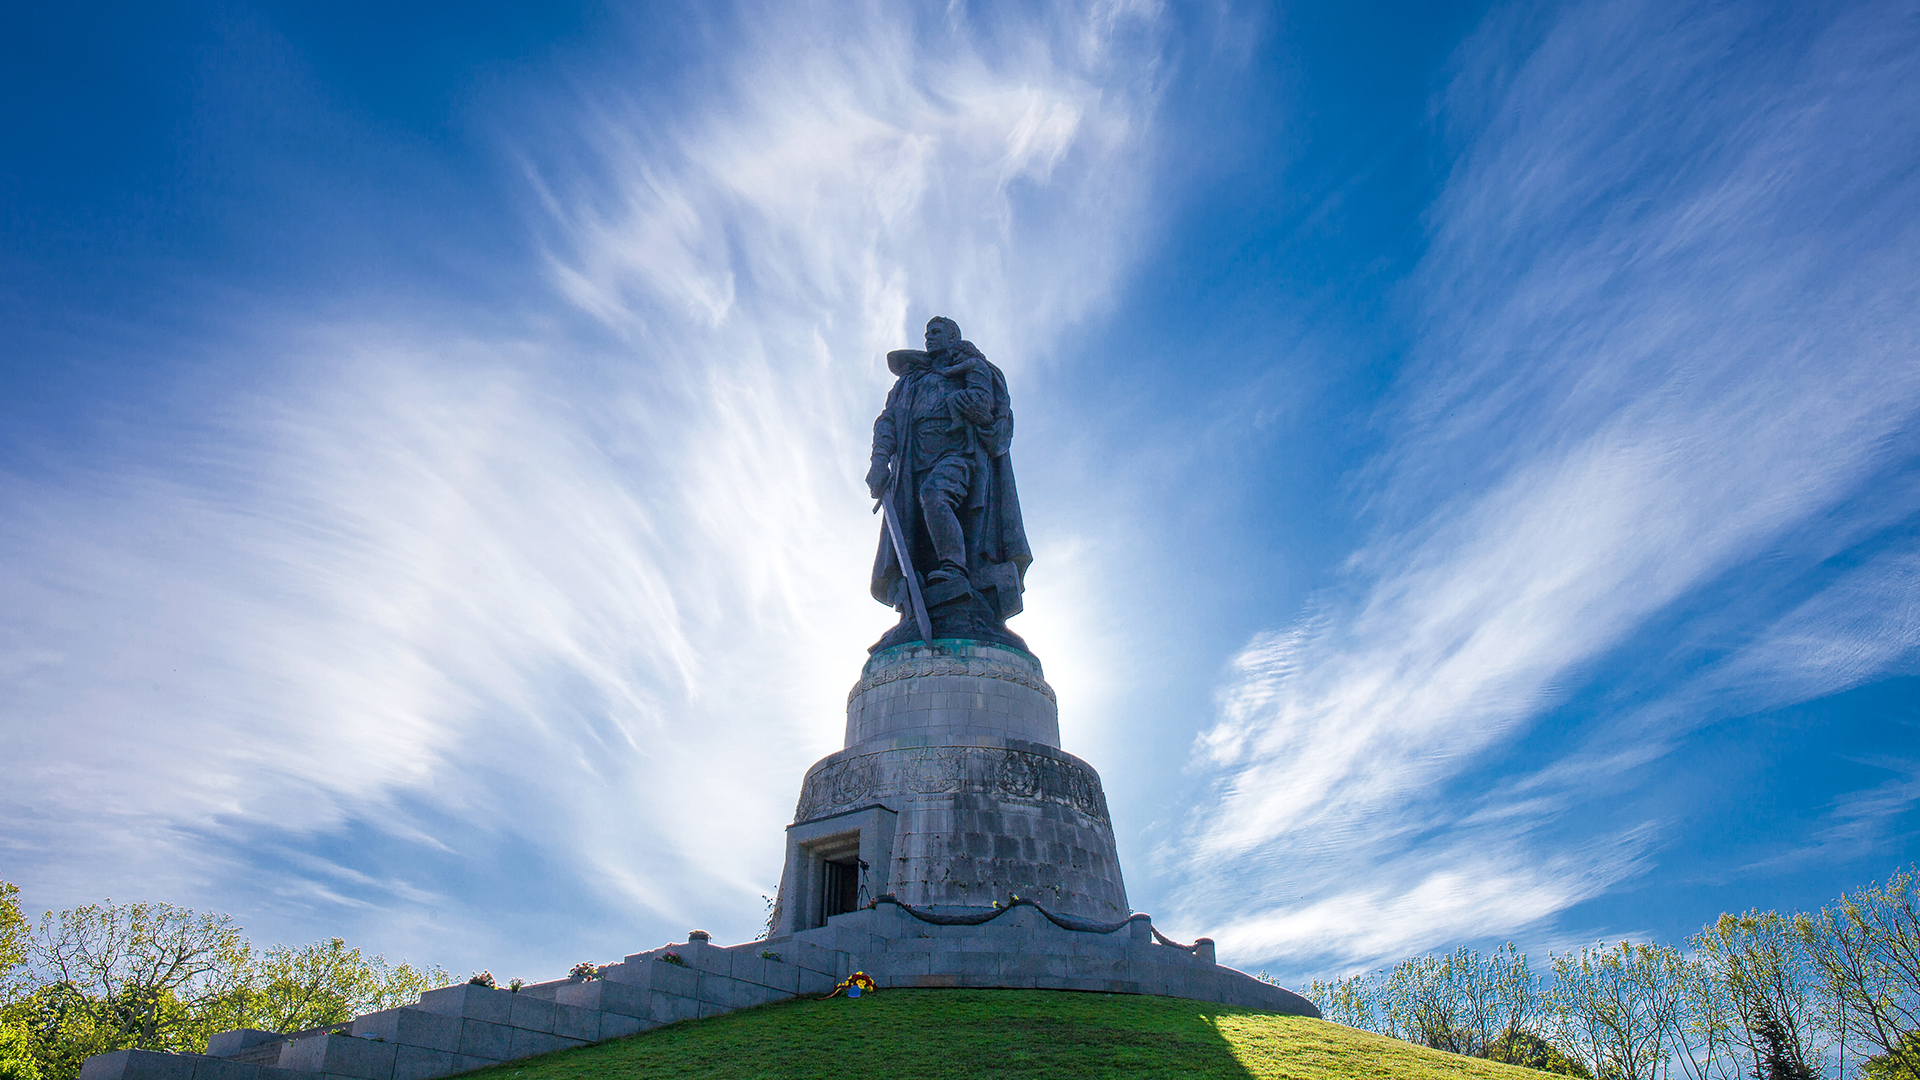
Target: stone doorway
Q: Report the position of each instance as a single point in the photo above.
(835, 865)
(841, 892)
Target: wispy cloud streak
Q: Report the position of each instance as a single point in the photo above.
(554, 596)
(1643, 363)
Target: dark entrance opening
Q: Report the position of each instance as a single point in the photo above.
(842, 888)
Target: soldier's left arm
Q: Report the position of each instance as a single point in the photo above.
(976, 400)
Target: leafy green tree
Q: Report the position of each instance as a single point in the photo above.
(58, 1029)
(108, 976)
(1501, 995)
(17, 1058)
(293, 989)
(1892, 1067)
(14, 933)
(159, 977)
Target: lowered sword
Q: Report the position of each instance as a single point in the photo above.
(906, 566)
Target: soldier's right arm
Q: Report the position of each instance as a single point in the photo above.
(885, 442)
(885, 439)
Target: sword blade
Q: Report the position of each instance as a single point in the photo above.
(906, 569)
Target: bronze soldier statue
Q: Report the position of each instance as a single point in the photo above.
(941, 467)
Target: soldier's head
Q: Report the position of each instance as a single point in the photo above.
(942, 334)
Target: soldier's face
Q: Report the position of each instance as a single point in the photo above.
(939, 336)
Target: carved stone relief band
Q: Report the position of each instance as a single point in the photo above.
(914, 669)
(933, 770)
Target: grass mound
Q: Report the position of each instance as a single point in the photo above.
(907, 1034)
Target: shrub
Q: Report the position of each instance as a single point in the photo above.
(1531, 1051)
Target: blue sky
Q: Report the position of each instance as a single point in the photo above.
(1468, 451)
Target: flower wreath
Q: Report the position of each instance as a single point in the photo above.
(854, 985)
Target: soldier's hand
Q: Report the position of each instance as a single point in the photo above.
(877, 477)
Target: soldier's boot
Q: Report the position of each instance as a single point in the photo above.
(949, 542)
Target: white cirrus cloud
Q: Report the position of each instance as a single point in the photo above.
(1652, 349)
(580, 604)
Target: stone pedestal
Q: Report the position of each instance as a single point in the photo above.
(952, 794)
(952, 843)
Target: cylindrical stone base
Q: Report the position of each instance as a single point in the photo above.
(951, 695)
(955, 751)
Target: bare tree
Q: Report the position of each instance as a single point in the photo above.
(1511, 994)
(1703, 1032)
(1423, 1006)
(1618, 1006)
(1761, 960)
(1866, 948)
(1353, 1001)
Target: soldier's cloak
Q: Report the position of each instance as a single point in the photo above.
(997, 551)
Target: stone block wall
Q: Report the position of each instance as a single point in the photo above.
(459, 1028)
(961, 741)
(951, 695)
(1022, 949)
(987, 821)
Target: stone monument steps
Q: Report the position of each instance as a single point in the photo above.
(459, 1028)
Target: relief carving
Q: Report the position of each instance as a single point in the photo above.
(931, 771)
(1015, 775)
(838, 786)
(1012, 774)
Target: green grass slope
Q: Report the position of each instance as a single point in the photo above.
(898, 1034)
